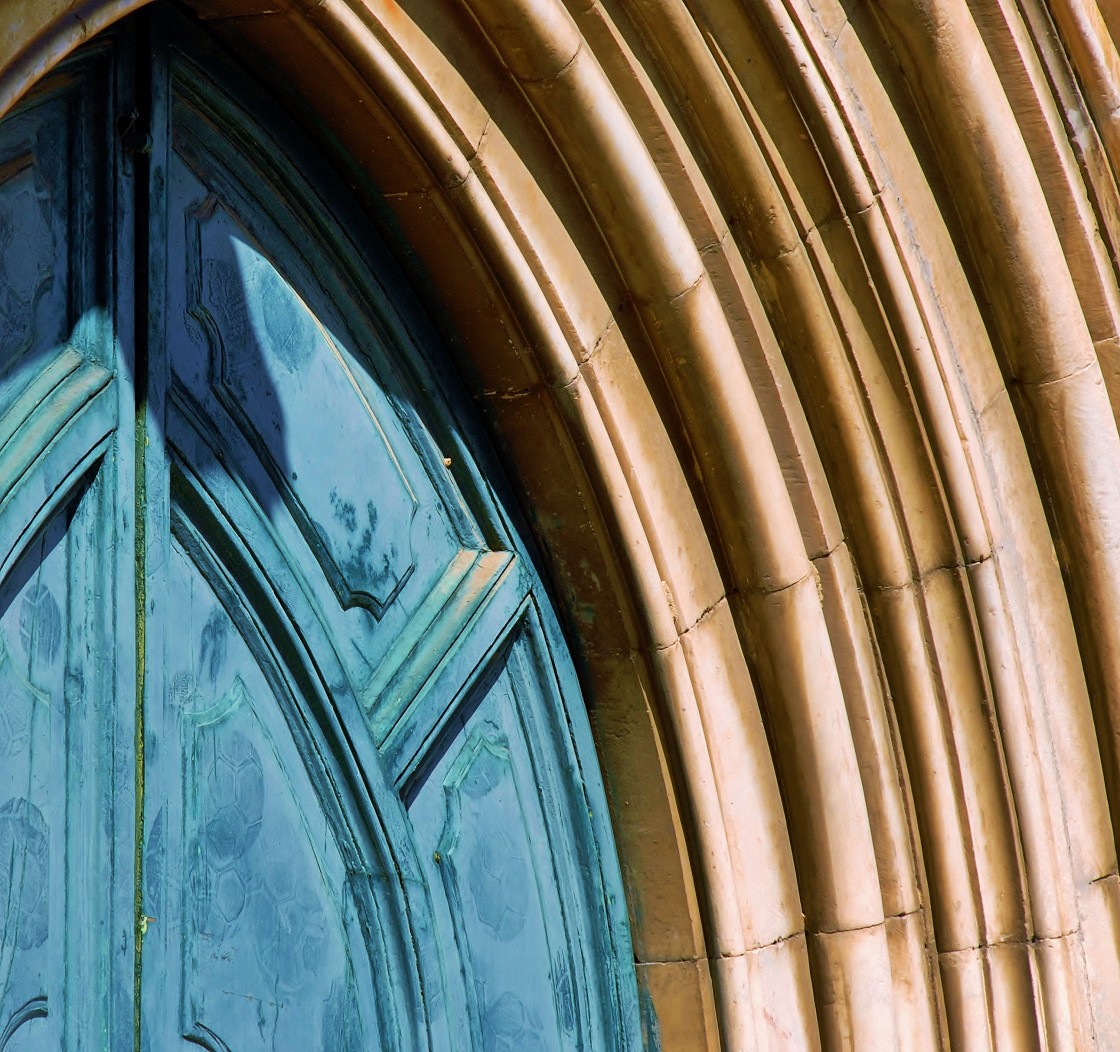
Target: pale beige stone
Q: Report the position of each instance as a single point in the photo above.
(746, 984)
(854, 990)
(990, 998)
(742, 814)
(826, 807)
(874, 734)
(919, 1009)
(660, 488)
(656, 865)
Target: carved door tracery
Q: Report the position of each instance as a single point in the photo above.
(292, 753)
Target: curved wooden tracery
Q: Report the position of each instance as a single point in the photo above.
(287, 602)
(798, 323)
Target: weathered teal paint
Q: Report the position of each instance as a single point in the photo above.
(292, 754)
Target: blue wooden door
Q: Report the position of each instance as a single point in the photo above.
(293, 753)
(67, 596)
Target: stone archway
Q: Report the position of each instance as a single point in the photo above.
(798, 327)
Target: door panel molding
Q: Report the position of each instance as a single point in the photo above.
(54, 435)
(291, 644)
(290, 619)
(36, 1008)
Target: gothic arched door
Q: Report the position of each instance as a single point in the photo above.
(291, 752)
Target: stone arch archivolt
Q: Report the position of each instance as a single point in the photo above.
(798, 326)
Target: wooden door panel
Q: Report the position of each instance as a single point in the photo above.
(256, 915)
(347, 487)
(61, 790)
(55, 257)
(512, 858)
(53, 433)
(61, 796)
(28, 1031)
(273, 367)
(33, 270)
(66, 755)
(229, 539)
(426, 681)
(309, 448)
(35, 258)
(289, 756)
(32, 779)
